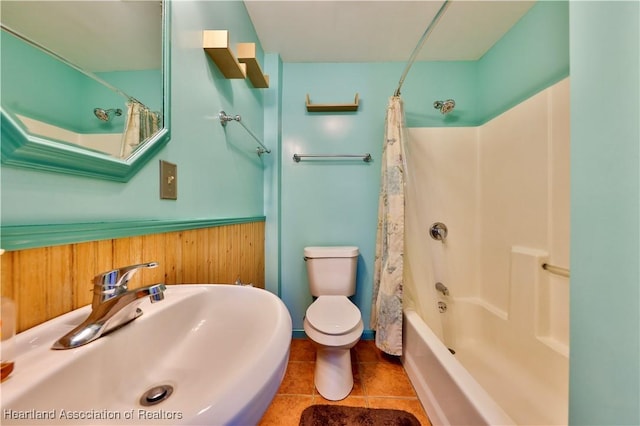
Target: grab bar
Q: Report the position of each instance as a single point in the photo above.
(365, 157)
(224, 118)
(558, 270)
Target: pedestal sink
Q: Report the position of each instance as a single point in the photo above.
(207, 354)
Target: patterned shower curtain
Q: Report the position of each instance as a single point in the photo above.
(386, 312)
(140, 125)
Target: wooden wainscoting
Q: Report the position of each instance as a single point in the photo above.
(50, 281)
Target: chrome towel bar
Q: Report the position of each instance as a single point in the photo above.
(365, 157)
(225, 118)
(558, 270)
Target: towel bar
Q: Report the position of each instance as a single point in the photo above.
(365, 157)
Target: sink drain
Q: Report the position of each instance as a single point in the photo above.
(156, 395)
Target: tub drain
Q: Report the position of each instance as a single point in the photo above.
(156, 395)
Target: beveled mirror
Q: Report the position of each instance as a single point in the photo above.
(85, 85)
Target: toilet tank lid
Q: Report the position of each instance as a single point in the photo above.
(331, 251)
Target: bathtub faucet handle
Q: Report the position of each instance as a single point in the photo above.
(438, 231)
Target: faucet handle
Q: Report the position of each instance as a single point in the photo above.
(117, 279)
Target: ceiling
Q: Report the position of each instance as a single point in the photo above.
(299, 30)
(380, 30)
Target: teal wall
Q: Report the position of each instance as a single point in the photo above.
(27, 73)
(273, 172)
(219, 174)
(533, 56)
(605, 213)
(336, 202)
(23, 79)
(141, 84)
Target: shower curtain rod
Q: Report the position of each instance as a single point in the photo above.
(421, 42)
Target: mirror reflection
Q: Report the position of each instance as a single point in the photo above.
(84, 73)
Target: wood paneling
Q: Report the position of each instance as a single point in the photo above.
(50, 281)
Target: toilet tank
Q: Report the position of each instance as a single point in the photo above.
(332, 270)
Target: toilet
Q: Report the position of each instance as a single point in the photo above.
(332, 322)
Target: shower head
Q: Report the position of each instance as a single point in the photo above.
(445, 107)
(104, 114)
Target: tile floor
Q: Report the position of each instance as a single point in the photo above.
(379, 382)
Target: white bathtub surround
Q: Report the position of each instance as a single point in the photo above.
(386, 312)
(502, 189)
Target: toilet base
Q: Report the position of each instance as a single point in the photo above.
(333, 376)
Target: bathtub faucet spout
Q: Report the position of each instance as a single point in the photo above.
(442, 289)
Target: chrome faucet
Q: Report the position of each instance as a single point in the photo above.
(438, 231)
(113, 306)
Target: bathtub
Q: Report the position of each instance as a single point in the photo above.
(489, 381)
(445, 388)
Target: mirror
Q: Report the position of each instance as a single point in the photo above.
(85, 85)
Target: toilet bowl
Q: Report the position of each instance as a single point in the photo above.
(334, 324)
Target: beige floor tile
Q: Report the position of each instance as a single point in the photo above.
(298, 378)
(285, 410)
(410, 405)
(385, 379)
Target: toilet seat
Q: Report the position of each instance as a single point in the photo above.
(333, 315)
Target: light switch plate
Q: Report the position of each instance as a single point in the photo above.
(168, 181)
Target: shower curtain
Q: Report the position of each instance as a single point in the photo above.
(141, 124)
(386, 312)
